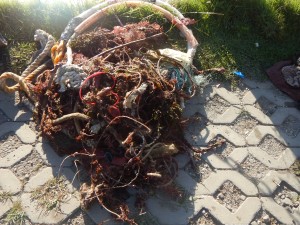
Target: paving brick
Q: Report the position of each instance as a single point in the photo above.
(227, 95)
(284, 161)
(15, 156)
(42, 216)
(182, 160)
(211, 131)
(282, 113)
(48, 173)
(259, 132)
(13, 112)
(9, 182)
(273, 179)
(99, 215)
(39, 179)
(243, 215)
(22, 130)
(274, 96)
(237, 156)
(5, 206)
(228, 116)
(50, 157)
(280, 213)
(170, 213)
(210, 185)
(252, 84)
(185, 180)
(258, 115)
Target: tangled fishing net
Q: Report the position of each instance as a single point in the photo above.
(113, 98)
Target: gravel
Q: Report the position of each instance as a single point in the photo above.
(29, 166)
(216, 106)
(9, 143)
(291, 126)
(287, 198)
(204, 218)
(266, 106)
(244, 124)
(272, 146)
(254, 169)
(230, 196)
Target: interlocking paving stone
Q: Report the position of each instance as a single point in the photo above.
(38, 214)
(15, 113)
(50, 157)
(273, 179)
(258, 115)
(170, 213)
(274, 96)
(228, 116)
(280, 213)
(227, 95)
(22, 130)
(237, 156)
(226, 169)
(9, 182)
(282, 113)
(98, 214)
(210, 185)
(211, 131)
(13, 157)
(286, 159)
(243, 215)
(259, 132)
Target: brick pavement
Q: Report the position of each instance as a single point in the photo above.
(259, 193)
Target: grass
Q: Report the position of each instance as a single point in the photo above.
(227, 39)
(5, 196)
(16, 215)
(51, 194)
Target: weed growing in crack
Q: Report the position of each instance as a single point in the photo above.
(51, 195)
(5, 196)
(16, 215)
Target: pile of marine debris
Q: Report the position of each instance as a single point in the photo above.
(113, 99)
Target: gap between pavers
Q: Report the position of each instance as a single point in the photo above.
(22, 130)
(15, 156)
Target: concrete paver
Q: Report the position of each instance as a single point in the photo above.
(201, 193)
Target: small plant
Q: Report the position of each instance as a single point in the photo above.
(16, 215)
(51, 194)
(5, 196)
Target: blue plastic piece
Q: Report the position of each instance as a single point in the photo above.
(239, 74)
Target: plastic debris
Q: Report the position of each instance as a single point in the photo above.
(239, 74)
